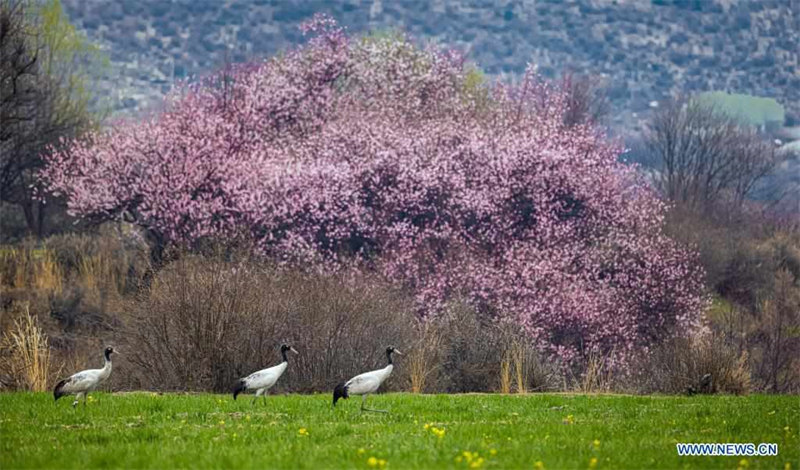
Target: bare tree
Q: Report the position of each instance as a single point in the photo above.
(21, 100)
(587, 101)
(44, 96)
(706, 156)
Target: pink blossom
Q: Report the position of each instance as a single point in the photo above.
(371, 153)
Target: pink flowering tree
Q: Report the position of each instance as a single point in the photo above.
(377, 155)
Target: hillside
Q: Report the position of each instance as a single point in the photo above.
(646, 50)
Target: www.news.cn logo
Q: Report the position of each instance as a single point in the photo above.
(729, 449)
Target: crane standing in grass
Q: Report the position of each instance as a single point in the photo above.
(86, 381)
(365, 383)
(263, 380)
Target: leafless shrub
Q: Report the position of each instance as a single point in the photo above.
(701, 364)
(479, 354)
(206, 321)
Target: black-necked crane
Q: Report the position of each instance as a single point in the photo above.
(365, 383)
(264, 379)
(85, 381)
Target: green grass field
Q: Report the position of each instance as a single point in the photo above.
(144, 430)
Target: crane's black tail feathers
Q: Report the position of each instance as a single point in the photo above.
(58, 392)
(340, 391)
(238, 388)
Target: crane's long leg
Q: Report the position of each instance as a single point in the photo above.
(258, 394)
(266, 391)
(77, 399)
(364, 408)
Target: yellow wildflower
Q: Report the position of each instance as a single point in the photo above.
(596, 443)
(361, 451)
(539, 465)
(303, 432)
(381, 463)
(593, 462)
(478, 463)
(372, 461)
(742, 464)
(569, 419)
(427, 426)
(787, 466)
(247, 417)
(493, 452)
(221, 423)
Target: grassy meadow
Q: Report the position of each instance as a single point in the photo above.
(148, 430)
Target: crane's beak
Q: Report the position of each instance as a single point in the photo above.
(397, 351)
(293, 350)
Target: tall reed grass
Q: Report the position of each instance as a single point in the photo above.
(29, 353)
(598, 375)
(423, 357)
(32, 268)
(513, 369)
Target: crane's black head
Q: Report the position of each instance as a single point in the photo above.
(285, 348)
(391, 350)
(108, 352)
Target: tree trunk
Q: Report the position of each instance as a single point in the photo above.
(30, 216)
(40, 220)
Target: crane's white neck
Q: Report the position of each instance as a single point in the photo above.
(386, 372)
(106, 370)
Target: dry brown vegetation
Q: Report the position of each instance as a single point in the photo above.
(752, 268)
(26, 354)
(76, 308)
(701, 364)
(204, 320)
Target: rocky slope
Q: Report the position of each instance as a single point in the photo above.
(645, 50)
